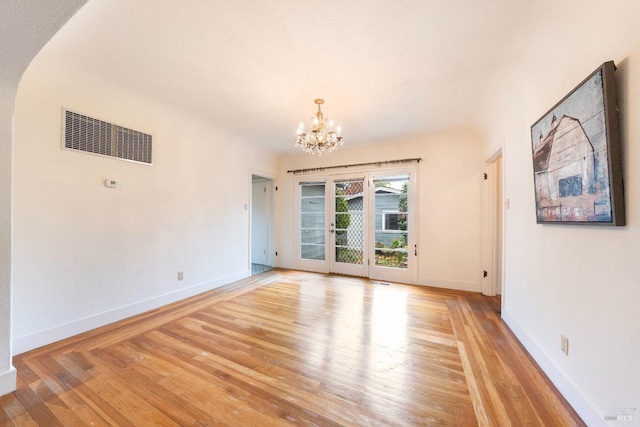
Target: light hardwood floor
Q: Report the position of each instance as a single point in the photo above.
(293, 348)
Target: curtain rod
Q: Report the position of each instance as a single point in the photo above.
(384, 162)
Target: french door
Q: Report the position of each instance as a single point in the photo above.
(394, 248)
(348, 233)
(359, 224)
(312, 235)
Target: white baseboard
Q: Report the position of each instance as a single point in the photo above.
(451, 284)
(574, 396)
(60, 332)
(8, 381)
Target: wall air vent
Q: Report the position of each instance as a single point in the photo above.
(84, 133)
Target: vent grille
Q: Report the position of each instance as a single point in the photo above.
(84, 133)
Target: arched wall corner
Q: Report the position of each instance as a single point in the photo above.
(25, 27)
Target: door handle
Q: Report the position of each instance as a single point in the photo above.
(331, 231)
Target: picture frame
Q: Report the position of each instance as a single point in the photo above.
(577, 162)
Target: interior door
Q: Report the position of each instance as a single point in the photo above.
(259, 221)
(348, 231)
(393, 244)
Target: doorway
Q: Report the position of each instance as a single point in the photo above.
(262, 233)
(492, 282)
(359, 224)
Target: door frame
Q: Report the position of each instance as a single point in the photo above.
(271, 226)
(493, 237)
(360, 270)
(316, 266)
(409, 275)
(328, 178)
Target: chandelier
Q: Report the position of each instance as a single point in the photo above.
(322, 137)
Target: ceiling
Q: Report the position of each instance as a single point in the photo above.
(386, 68)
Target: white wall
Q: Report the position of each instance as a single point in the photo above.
(449, 202)
(25, 27)
(583, 282)
(86, 255)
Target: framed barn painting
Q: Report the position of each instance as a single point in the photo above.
(577, 165)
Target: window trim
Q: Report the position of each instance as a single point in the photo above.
(384, 222)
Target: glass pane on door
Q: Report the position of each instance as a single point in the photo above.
(391, 221)
(312, 221)
(349, 221)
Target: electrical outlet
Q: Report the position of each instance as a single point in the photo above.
(564, 344)
(180, 275)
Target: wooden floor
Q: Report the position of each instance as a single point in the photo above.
(293, 348)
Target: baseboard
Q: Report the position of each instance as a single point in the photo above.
(8, 381)
(57, 333)
(451, 284)
(574, 396)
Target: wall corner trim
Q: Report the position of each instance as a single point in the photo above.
(8, 381)
(574, 396)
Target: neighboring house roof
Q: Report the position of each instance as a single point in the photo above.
(388, 190)
(352, 188)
